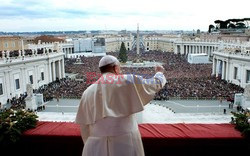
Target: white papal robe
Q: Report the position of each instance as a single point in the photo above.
(106, 113)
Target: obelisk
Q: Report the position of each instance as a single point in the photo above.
(137, 45)
(137, 41)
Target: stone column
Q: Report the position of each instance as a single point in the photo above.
(64, 51)
(242, 75)
(175, 49)
(59, 69)
(43, 51)
(36, 77)
(23, 55)
(223, 70)
(227, 70)
(63, 69)
(3, 55)
(12, 84)
(214, 66)
(32, 52)
(49, 69)
(182, 49)
(19, 53)
(7, 54)
(53, 71)
(8, 83)
(23, 77)
(217, 67)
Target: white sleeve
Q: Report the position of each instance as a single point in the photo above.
(146, 88)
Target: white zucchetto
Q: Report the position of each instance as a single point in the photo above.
(107, 59)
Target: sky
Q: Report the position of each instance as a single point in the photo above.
(67, 15)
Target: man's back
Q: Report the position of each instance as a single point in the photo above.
(107, 108)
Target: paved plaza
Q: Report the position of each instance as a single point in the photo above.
(171, 111)
(177, 106)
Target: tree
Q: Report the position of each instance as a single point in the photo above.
(231, 26)
(222, 24)
(210, 28)
(240, 25)
(123, 54)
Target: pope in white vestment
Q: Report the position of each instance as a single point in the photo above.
(106, 113)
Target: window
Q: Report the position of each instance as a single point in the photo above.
(17, 84)
(31, 79)
(235, 73)
(42, 76)
(6, 44)
(147, 43)
(1, 89)
(128, 43)
(248, 76)
(13, 44)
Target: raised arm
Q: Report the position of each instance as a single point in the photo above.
(146, 88)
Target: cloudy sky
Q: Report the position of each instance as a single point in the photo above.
(63, 15)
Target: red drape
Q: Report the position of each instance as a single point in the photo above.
(63, 139)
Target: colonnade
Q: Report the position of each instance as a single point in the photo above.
(234, 68)
(221, 68)
(56, 69)
(68, 50)
(195, 49)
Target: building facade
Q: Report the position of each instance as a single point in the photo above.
(10, 43)
(34, 66)
(113, 42)
(232, 66)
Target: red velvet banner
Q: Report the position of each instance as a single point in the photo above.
(63, 139)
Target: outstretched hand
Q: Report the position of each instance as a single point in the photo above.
(159, 68)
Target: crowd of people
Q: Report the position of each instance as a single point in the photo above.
(198, 88)
(17, 103)
(184, 80)
(64, 88)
